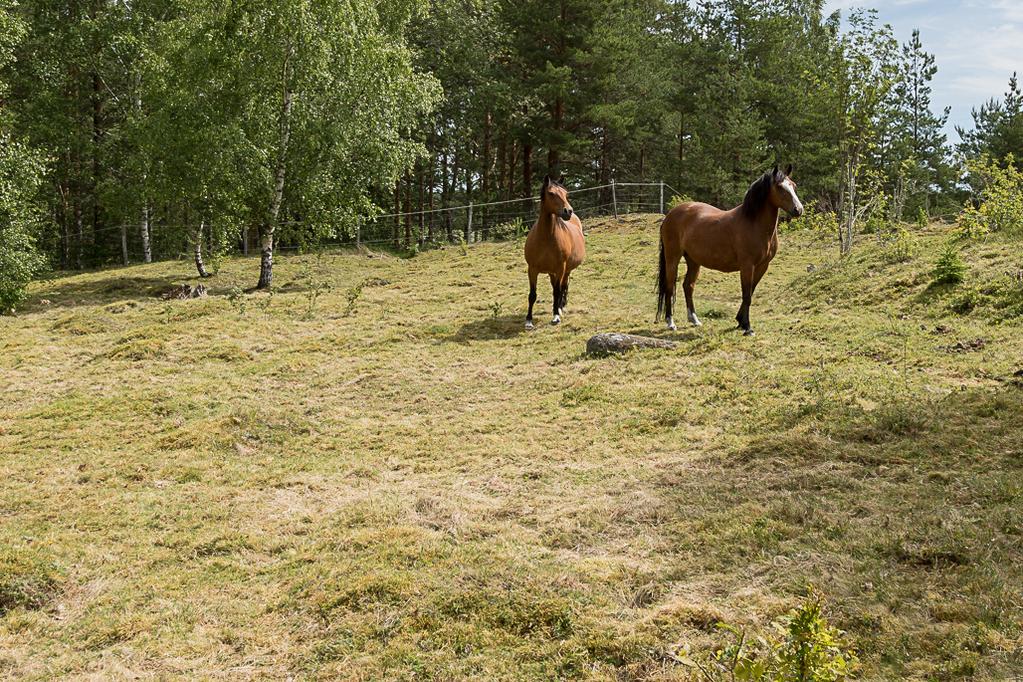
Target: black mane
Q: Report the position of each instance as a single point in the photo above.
(758, 193)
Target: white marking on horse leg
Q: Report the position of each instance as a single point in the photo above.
(694, 320)
(529, 324)
(556, 320)
(671, 324)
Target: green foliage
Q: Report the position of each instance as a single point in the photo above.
(805, 648)
(20, 172)
(511, 229)
(899, 244)
(922, 219)
(999, 189)
(949, 268)
(817, 220)
(678, 199)
(352, 298)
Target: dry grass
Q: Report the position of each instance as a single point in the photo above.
(253, 486)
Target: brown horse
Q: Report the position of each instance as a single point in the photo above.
(555, 247)
(742, 240)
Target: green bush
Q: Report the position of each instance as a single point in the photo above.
(806, 649)
(922, 219)
(678, 199)
(999, 189)
(817, 220)
(20, 170)
(950, 268)
(900, 246)
(508, 230)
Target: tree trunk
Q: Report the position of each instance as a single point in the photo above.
(468, 200)
(513, 162)
(396, 228)
(452, 182)
(554, 153)
(200, 266)
(147, 249)
(266, 259)
(124, 243)
(527, 169)
(80, 236)
(408, 210)
(501, 168)
(421, 187)
(485, 170)
(430, 181)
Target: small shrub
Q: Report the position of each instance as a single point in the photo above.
(678, 199)
(971, 223)
(807, 649)
(922, 219)
(817, 220)
(900, 246)
(352, 297)
(508, 230)
(999, 189)
(950, 268)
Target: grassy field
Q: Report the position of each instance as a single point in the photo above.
(401, 483)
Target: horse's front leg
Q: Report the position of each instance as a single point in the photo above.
(746, 277)
(532, 298)
(556, 290)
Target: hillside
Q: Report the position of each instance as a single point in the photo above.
(254, 485)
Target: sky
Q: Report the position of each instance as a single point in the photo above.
(977, 46)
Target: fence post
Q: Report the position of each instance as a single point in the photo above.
(468, 226)
(614, 198)
(358, 232)
(662, 197)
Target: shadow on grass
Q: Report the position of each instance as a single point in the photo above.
(62, 293)
(491, 328)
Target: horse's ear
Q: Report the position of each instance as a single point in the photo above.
(788, 171)
(774, 173)
(561, 179)
(546, 184)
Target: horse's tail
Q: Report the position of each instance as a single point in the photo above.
(662, 284)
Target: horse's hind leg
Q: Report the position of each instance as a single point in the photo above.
(564, 293)
(532, 297)
(688, 286)
(671, 278)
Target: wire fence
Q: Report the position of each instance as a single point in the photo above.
(499, 220)
(467, 222)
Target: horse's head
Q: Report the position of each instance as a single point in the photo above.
(554, 199)
(783, 192)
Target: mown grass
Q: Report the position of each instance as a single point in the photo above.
(407, 485)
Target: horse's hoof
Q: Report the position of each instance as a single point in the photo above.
(529, 325)
(671, 325)
(748, 332)
(556, 321)
(694, 320)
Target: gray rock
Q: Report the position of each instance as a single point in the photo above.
(608, 344)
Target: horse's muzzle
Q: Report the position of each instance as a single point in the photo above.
(566, 214)
(797, 212)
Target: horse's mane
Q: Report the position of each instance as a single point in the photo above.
(757, 194)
